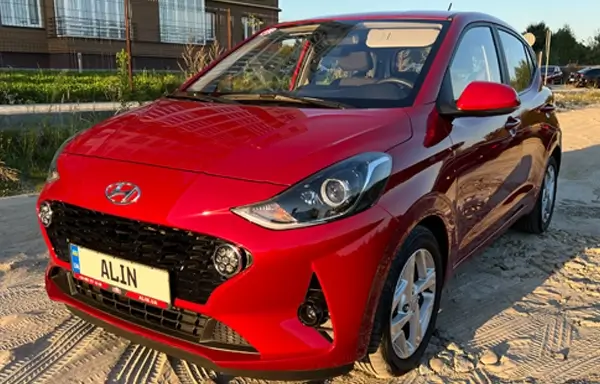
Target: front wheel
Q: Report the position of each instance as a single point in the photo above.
(408, 308)
(538, 220)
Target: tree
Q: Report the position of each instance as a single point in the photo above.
(593, 54)
(565, 48)
(539, 31)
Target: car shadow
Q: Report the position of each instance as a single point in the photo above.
(522, 301)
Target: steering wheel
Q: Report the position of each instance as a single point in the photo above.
(403, 82)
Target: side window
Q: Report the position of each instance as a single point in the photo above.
(593, 72)
(519, 67)
(475, 60)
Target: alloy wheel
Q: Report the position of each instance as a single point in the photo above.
(413, 303)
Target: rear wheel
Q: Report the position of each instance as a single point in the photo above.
(408, 308)
(538, 220)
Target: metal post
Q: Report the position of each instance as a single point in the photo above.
(128, 44)
(80, 62)
(228, 29)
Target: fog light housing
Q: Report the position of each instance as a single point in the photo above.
(45, 214)
(312, 313)
(229, 260)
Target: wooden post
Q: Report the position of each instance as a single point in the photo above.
(128, 44)
(548, 38)
(228, 28)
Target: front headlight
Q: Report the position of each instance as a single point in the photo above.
(343, 189)
(53, 174)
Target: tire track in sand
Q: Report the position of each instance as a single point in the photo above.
(18, 300)
(189, 373)
(18, 330)
(38, 365)
(138, 365)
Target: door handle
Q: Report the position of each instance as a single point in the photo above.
(512, 124)
(547, 108)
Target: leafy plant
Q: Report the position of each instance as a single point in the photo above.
(195, 58)
(47, 86)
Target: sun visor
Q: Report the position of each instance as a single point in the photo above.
(409, 37)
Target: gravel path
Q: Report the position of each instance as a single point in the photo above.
(527, 310)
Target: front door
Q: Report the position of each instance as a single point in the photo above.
(487, 151)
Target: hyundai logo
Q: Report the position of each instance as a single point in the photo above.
(123, 193)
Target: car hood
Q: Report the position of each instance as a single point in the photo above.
(268, 144)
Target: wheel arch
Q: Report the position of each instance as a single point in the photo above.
(557, 155)
(438, 227)
(435, 212)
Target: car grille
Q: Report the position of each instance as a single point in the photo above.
(180, 323)
(186, 255)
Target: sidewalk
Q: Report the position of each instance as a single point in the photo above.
(27, 109)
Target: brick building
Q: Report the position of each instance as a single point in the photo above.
(69, 33)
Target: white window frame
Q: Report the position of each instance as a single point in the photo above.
(194, 22)
(11, 19)
(249, 29)
(211, 25)
(71, 20)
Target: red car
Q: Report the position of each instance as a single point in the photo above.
(297, 206)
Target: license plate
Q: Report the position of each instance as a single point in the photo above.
(136, 281)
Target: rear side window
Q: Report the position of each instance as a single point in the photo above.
(475, 60)
(520, 69)
(593, 72)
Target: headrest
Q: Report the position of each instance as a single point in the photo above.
(356, 61)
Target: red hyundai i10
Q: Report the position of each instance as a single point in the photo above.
(297, 206)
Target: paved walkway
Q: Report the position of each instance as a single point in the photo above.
(28, 109)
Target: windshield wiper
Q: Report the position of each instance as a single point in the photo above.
(287, 97)
(198, 96)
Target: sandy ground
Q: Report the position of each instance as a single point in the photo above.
(527, 310)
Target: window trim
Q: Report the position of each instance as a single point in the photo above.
(526, 50)
(249, 30)
(40, 25)
(212, 26)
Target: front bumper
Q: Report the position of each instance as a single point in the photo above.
(348, 257)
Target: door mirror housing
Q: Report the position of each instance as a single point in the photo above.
(483, 98)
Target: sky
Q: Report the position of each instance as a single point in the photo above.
(581, 15)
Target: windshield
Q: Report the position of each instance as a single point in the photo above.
(365, 64)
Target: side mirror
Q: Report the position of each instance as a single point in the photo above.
(483, 98)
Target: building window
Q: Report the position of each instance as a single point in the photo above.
(102, 19)
(211, 22)
(185, 22)
(251, 25)
(20, 13)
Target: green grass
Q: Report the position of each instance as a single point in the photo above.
(43, 86)
(26, 153)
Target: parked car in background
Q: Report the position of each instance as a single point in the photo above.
(553, 74)
(574, 77)
(290, 227)
(589, 78)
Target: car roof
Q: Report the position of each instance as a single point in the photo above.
(404, 15)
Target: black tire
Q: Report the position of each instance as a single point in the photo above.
(534, 222)
(382, 361)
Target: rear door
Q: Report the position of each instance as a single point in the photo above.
(520, 69)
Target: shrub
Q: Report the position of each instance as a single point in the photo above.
(28, 87)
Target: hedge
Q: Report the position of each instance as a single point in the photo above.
(26, 87)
